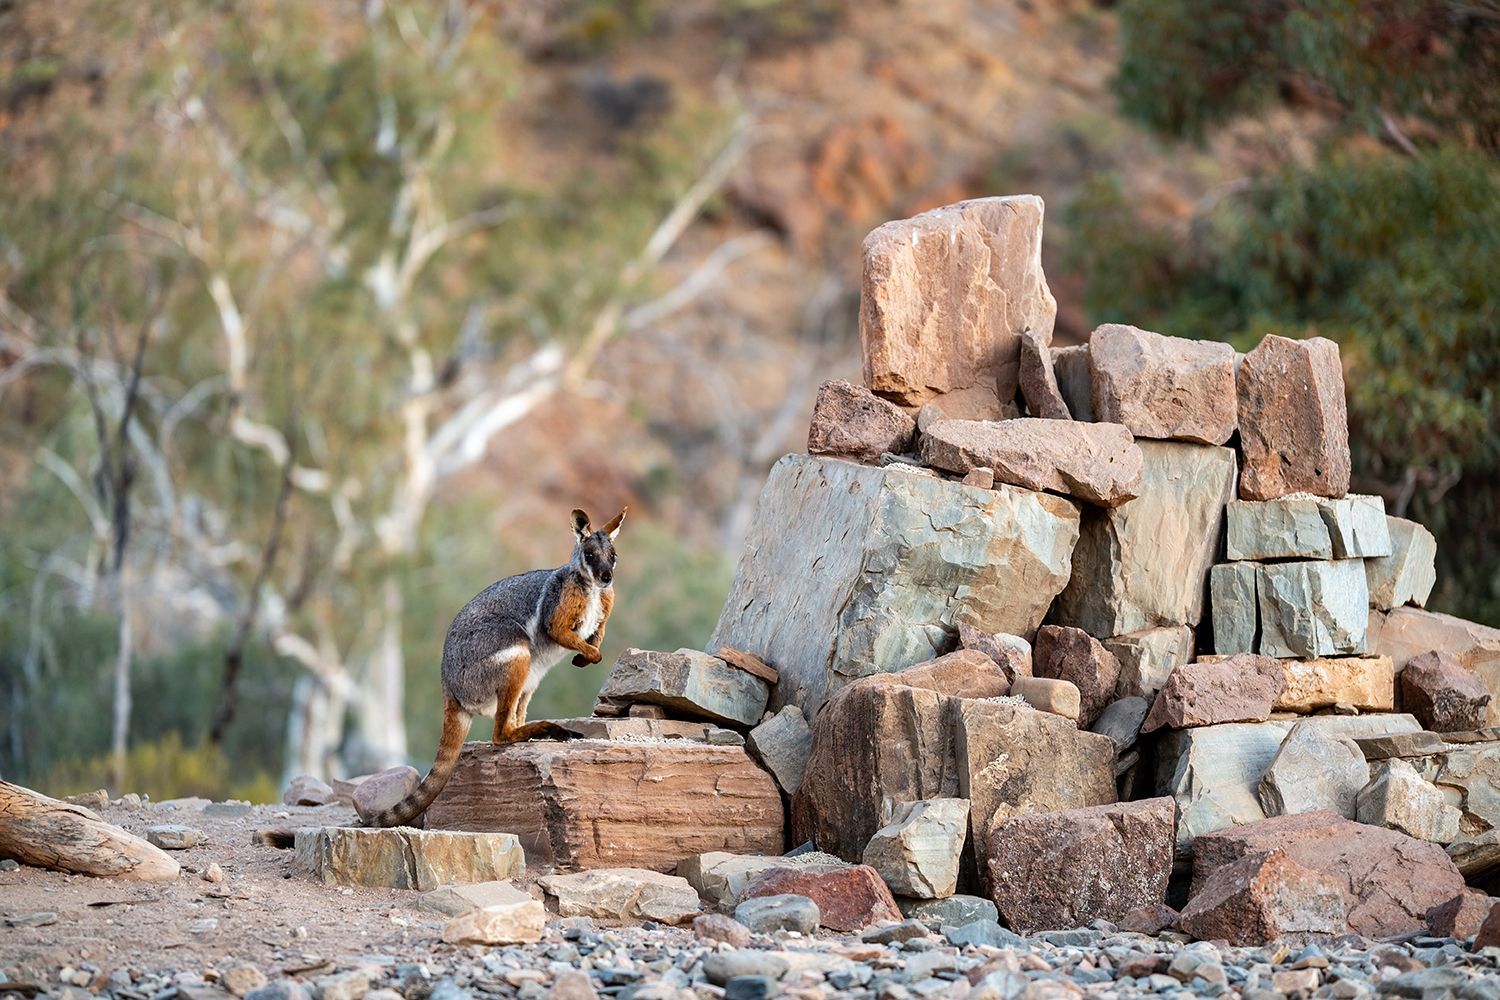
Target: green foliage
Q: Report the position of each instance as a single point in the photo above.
(163, 769)
(1391, 257)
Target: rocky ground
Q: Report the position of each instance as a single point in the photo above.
(248, 920)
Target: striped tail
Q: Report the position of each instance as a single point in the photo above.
(455, 729)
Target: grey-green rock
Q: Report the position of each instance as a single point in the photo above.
(687, 681)
(1312, 609)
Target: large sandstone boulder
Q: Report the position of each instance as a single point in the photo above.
(1262, 897)
(850, 570)
(598, 804)
(1408, 573)
(1242, 688)
(850, 421)
(1294, 426)
(1056, 870)
(1071, 654)
(1163, 387)
(945, 297)
(1097, 463)
(1389, 880)
(689, 682)
(1145, 562)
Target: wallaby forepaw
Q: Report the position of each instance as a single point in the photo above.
(581, 661)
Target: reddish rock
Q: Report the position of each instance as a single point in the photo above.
(1261, 897)
(850, 421)
(1039, 381)
(944, 299)
(1071, 654)
(1389, 880)
(1241, 688)
(1461, 916)
(1294, 427)
(1489, 931)
(1153, 918)
(1011, 652)
(1163, 387)
(849, 899)
(1056, 870)
(1099, 463)
(1443, 696)
(718, 927)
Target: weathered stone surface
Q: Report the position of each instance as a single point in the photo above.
(594, 804)
(520, 920)
(1410, 632)
(885, 739)
(1071, 654)
(1261, 897)
(1314, 770)
(769, 914)
(1357, 526)
(944, 299)
(306, 790)
(1057, 870)
(952, 911)
(1407, 575)
(721, 878)
(1476, 855)
(1163, 387)
(1304, 526)
(1444, 696)
(687, 681)
(717, 927)
(1098, 463)
(1152, 918)
(1242, 688)
(1144, 563)
(1461, 916)
(451, 900)
(1235, 607)
(1399, 798)
(782, 744)
(384, 789)
(173, 836)
(1013, 760)
(848, 899)
(403, 858)
(1367, 683)
(1488, 935)
(917, 853)
(1214, 772)
(981, 477)
(1313, 608)
(1074, 380)
(639, 728)
(852, 422)
(1011, 652)
(1049, 694)
(623, 894)
(1389, 880)
(1039, 381)
(1294, 427)
(1122, 721)
(1148, 657)
(850, 570)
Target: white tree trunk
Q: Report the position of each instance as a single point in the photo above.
(381, 697)
(315, 726)
(119, 740)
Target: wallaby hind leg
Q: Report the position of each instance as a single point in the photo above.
(510, 711)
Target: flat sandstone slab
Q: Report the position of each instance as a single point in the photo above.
(1097, 463)
(686, 681)
(593, 804)
(404, 858)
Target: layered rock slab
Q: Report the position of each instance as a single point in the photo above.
(686, 681)
(850, 570)
(1314, 608)
(404, 858)
(1303, 526)
(1097, 463)
(597, 804)
(1389, 880)
(1294, 424)
(1065, 869)
(782, 743)
(944, 299)
(1399, 798)
(850, 421)
(1144, 563)
(1163, 387)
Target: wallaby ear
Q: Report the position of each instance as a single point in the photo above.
(580, 524)
(613, 527)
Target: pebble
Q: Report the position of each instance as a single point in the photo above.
(350, 985)
(750, 988)
(174, 836)
(717, 927)
(721, 967)
(984, 932)
(572, 984)
(280, 989)
(786, 912)
(39, 919)
(242, 979)
(213, 873)
(10, 865)
(906, 930)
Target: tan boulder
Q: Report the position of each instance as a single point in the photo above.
(1367, 683)
(1294, 425)
(850, 421)
(944, 300)
(1163, 387)
(451, 900)
(1039, 380)
(384, 789)
(782, 743)
(623, 894)
(1097, 463)
(1052, 695)
(404, 858)
(917, 853)
(518, 921)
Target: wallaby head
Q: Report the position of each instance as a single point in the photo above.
(594, 554)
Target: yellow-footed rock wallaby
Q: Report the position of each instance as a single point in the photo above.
(504, 641)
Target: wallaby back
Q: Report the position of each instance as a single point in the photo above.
(455, 728)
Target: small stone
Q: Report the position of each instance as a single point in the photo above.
(1314, 770)
(306, 790)
(1121, 722)
(1462, 916)
(982, 478)
(213, 873)
(850, 421)
(722, 878)
(782, 744)
(750, 988)
(1148, 657)
(646, 712)
(351, 985)
(917, 853)
(1242, 688)
(1399, 798)
(1261, 898)
(39, 919)
(786, 912)
(174, 837)
(907, 930)
(848, 899)
(719, 928)
(1071, 654)
(9, 865)
(279, 989)
(1443, 696)
(241, 979)
(1294, 425)
(1047, 694)
(1153, 918)
(1290, 981)
(384, 790)
(452, 900)
(1039, 380)
(953, 911)
(1407, 575)
(572, 984)
(986, 933)
(1097, 463)
(520, 921)
(624, 894)
(1163, 387)
(722, 966)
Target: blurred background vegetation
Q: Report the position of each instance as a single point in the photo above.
(317, 318)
